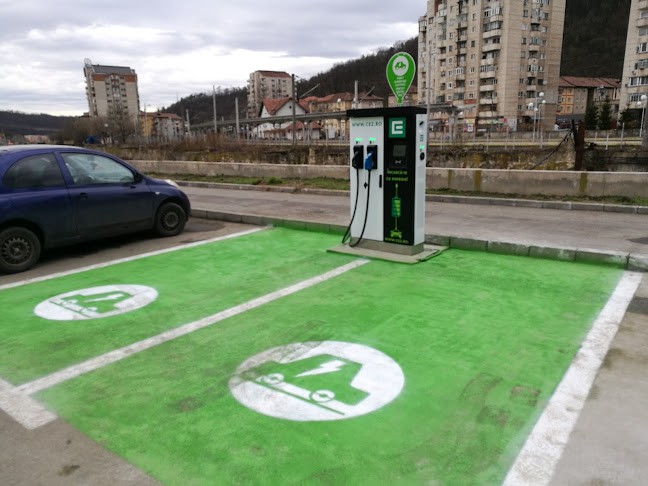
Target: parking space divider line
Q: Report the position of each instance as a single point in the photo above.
(121, 353)
(22, 408)
(131, 258)
(537, 461)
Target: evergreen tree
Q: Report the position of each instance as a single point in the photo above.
(627, 118)
(591, 117)
(605, 116)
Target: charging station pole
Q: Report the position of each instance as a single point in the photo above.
(387, 174)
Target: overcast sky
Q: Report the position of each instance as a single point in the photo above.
(180, 47)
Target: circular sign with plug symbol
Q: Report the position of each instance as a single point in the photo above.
(400, 66)
(317, 381)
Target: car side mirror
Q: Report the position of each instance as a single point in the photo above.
(138, 177)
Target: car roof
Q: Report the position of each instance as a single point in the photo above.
(13, 149)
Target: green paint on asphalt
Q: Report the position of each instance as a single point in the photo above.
(482, 340)
(191, 283)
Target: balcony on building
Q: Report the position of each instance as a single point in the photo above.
(487, 87)
(488, 101)
(492, 33)
(488, 75)
(491, 47)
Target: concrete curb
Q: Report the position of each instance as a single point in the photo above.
(493, 201)
(629, 261)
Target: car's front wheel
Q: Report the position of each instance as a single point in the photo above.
(170, 219)
(20, 249)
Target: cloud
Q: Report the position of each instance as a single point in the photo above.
(182, 48)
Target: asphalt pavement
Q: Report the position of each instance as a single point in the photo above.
(608, 442)
(603, 232)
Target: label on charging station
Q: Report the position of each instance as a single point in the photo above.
(398, 224)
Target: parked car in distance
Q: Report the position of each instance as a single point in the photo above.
(55, 195)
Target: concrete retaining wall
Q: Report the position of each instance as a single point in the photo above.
(525, 182)
(292, 171)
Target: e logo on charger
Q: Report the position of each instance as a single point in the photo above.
(397, 128)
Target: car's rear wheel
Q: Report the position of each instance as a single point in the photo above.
(170, 219)
(20, 249)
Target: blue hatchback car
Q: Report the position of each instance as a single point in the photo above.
(54, 195)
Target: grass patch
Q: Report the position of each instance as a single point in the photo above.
(623, 200)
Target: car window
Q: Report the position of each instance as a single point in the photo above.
(96, 169)
(34, 171)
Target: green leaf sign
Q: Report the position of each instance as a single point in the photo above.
(400, 74)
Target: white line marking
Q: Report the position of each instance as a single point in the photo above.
(543, 448)
(121, 353)
(23, 409)
(129, 259)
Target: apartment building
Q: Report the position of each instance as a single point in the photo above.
(111, 90)
(634, 82)
(161, 126)
(336, 127)
(496, 60)
(576, 93)
(264, 85)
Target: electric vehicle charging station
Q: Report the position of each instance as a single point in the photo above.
(387, 173)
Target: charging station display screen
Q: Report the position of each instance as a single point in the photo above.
(398, 156)
(399, 150)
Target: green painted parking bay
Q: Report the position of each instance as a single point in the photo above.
(167, 290)
(381, 373)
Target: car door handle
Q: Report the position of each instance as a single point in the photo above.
(83, 195)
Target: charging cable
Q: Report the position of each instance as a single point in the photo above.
(347, 233)
(368, 165)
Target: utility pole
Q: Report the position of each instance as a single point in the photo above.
(214, 97)
(238, 129)
(188, 126)
(355, 95)
(294, 112)
(579, 143)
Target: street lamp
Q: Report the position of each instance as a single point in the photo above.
(642, 103)
(530, 107)
(536, 110)
(145, 124)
